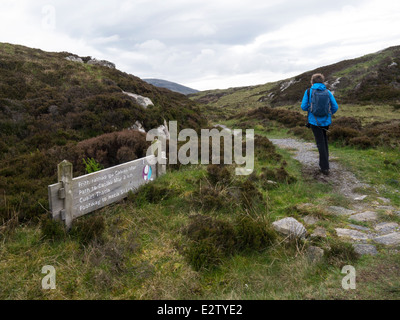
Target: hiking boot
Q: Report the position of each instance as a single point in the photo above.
(325, 172)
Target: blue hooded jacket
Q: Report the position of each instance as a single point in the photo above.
(322, 121)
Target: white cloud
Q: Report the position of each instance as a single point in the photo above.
(209, 43)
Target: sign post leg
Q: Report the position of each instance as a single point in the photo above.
(65, 176)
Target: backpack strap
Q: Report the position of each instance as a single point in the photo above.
(309, 102)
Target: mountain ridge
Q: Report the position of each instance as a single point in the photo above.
(173, 86)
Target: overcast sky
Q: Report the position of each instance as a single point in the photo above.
(206, 44)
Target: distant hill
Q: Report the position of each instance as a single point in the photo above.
(371, 79)
(171, 86)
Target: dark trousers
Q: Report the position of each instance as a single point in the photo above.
(322, 144)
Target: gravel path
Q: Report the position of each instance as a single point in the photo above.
(344, 182)
(307, 154)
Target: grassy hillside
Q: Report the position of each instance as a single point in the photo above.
(53, 109)
(367, 90)
(199, 232)
(368, 80)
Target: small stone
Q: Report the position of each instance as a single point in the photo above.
(364, 217)
(387, 227)
(389, 239)
(365, 249)
(290, 227)
(310, 220)
(319, 232)
(386, 208)
(352, 234)
(359, 227)
(360, 198)
(339, 211)
(315, 254)
(384, 200)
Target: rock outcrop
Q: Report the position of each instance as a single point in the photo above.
(291, 228)
(74, 59)
(140, 100)
(103, 63)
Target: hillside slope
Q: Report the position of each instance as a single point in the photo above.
(56, 106)
(46, 99)
(373, 78)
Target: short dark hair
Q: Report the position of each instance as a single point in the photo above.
(317, 78)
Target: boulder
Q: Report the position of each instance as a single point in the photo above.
(352, 234)
(74, 59)
(391, 239)
(319, 232)
(291, 228)
(103, 63)
(365, 249)
(310, 220)
(361, 228)
(140, 100)
(360, 198)
(315, 254)
(364, 216)
(138, 126)
(339, 211)
(387, 227)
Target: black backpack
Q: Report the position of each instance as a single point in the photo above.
(320, 103)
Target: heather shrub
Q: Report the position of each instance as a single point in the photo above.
(210, 240)
(277, 174)
(348, 122)
(209, 197)
(88, 229)
(302, 132)
(341, 253)
(250, 196)
(152, 192)
(265, 149)
(52, 230)
(342, 134)
(288, 118)
(219, 174)
(252, 234)
(112, 149)
(362, 142)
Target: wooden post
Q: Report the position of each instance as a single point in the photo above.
(161, 168)
(65, 176)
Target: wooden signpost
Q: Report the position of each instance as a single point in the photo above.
(72, 198)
